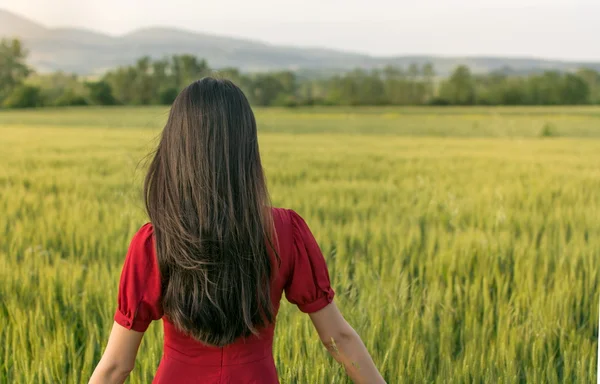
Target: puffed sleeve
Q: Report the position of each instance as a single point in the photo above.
(308, 284)
(139, 301)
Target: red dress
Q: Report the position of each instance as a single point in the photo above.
(302, 275)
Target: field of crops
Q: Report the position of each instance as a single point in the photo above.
(463, 244)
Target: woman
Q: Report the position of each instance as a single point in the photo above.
(216, 259)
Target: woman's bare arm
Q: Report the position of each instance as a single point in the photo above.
(119, 356)
(345, 345)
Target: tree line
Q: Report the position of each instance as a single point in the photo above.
(157, 82)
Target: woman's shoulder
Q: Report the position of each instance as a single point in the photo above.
(289, 225)
(286, 214)
(143, 235)
(145, 230)
(285, 219)
(290, 217)
(141, 245)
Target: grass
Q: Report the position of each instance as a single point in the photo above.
(414, 121)
(471, 257)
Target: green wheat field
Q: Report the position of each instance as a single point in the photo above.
(463, 244)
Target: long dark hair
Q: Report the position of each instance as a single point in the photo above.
(207, 200)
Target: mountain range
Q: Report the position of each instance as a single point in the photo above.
(88, 52)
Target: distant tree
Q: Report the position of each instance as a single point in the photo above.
(150, 81)
(155, 82)
(232, 74)
(24, 96)
(592, 79)
(59, 88)
(489, 88)
(415, 88)
(549, 86)
(371, 90)
(122, 83)
(276, 88)
(513, 92)
(265, 89)
(70, 98)
(358, 87)
(413, 72)
(13, 67)
(396, 86)
(429, 80)
(145, 86)
(459, 89)
(312, 92)
(288, 82)
(187, 68)
(100, 93)
(167, 96)
(162, 84)
(574, 90)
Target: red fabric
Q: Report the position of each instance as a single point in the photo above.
(302, 275)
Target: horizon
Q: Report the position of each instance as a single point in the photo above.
(573, 42)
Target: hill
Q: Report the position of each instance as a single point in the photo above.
(88, 52)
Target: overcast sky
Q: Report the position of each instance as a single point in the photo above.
(560, 29)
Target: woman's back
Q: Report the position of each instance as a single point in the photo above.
(216, 259)
(300, 272)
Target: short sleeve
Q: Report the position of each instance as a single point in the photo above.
(139, 300)
(308, 285)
